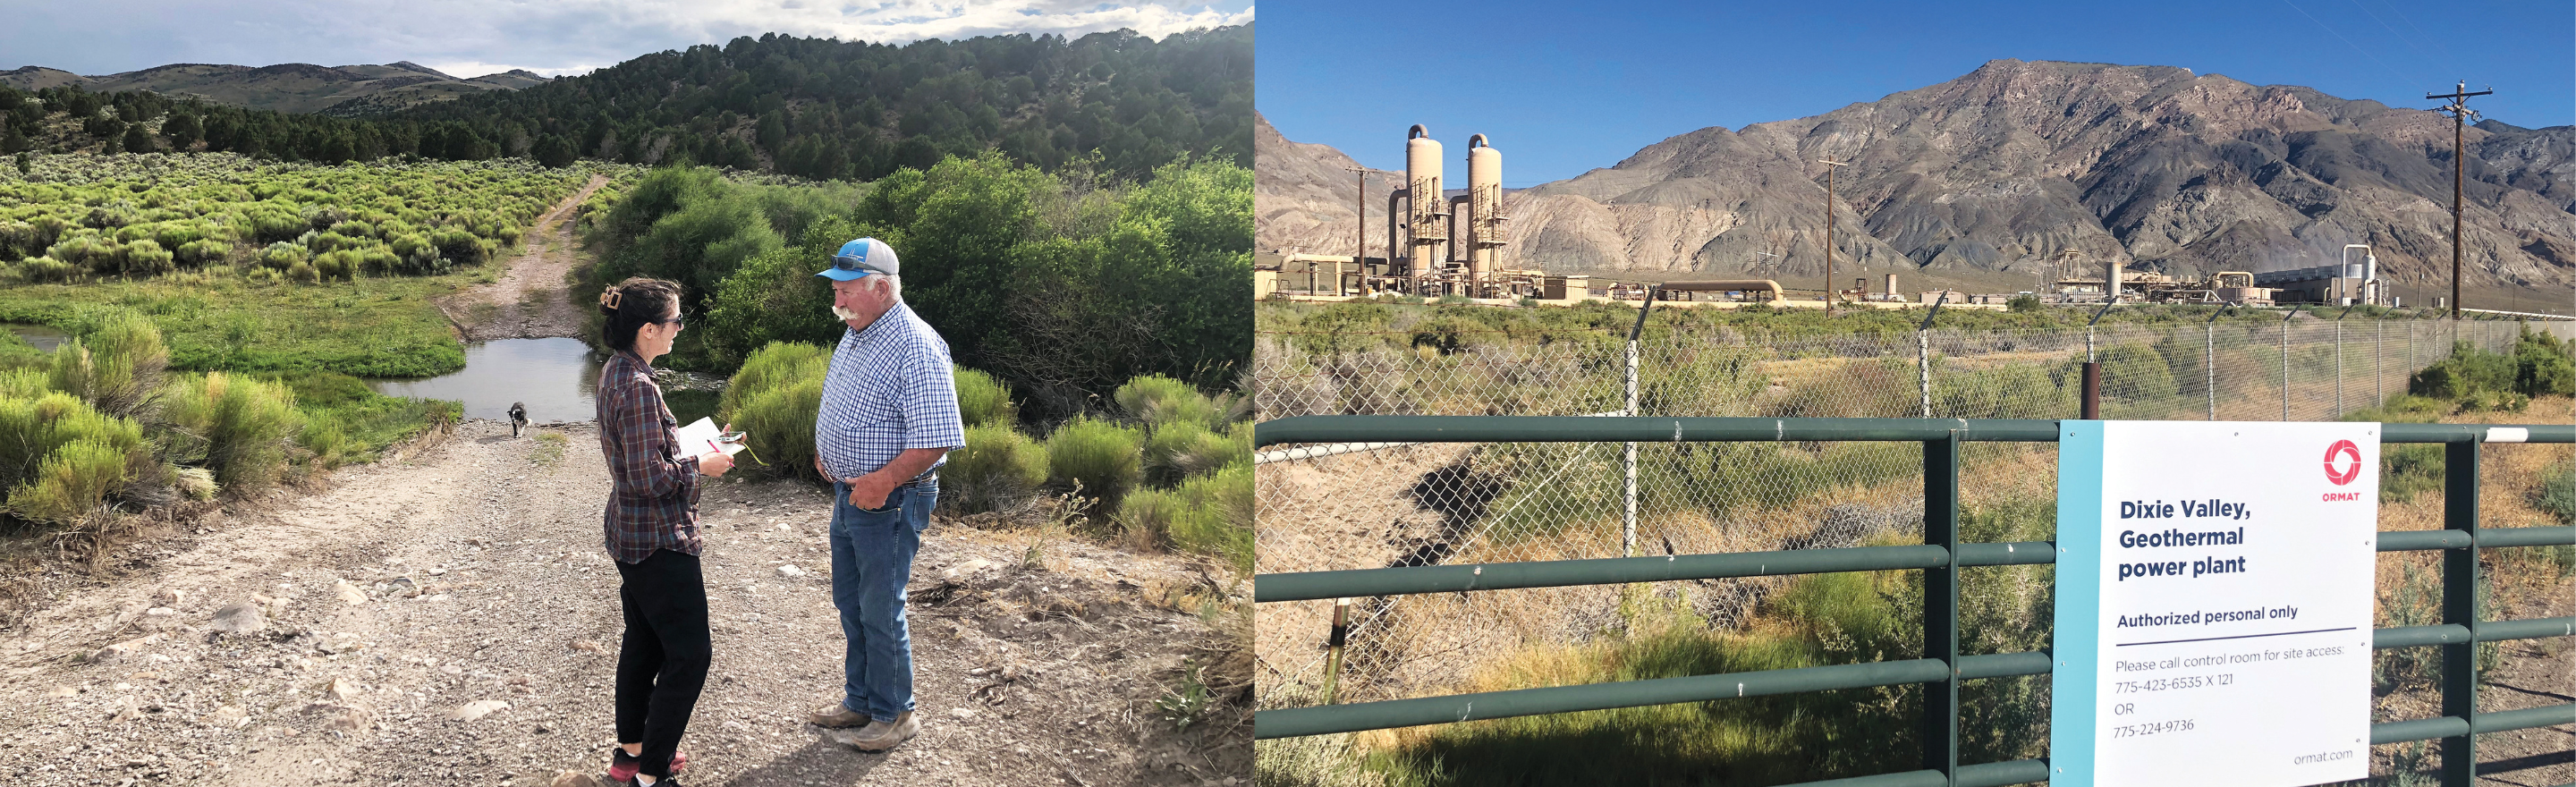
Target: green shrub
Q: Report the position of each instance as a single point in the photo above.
(773, 399)
(281, 255)
(1156, 399)
(325, 440)
(1182, 449)
(1164, 444)
(146, 258)
(984, 400)
(1221, 522)
(2558, 492)
(45, 270)
(996, 469)
(72, 481)
(115, 365)
(2464, 375)
(2542, 366)
(237, 427)
(1100, 455)
(34, 428)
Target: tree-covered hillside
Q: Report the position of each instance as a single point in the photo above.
(813, 108)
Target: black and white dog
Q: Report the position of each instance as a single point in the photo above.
(518, 417)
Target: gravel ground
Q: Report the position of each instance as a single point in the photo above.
(451, 618)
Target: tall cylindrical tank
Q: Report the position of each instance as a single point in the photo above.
(1422, 182)
(1891, 286)
(2111, 281)
(1484, 208)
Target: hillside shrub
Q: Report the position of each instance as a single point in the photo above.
(60, 458)
(115, 366)
(773, 400)
(1156, 399)
(2466, 374)
(237, 427)
(1221, 520)
(997, 469)
(984, 400)
(1102, 456)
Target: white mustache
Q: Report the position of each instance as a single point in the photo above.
(844, 314)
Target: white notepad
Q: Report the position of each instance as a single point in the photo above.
(699, 439)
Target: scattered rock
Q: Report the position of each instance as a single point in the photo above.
(349, 593)
(65, 690)
(790, 571)
(346, 718)
(126, 708)
(589, 646)
(343, 642)
(476, 710)
(576, 779)
(341, 689)
(967, 569)
(239, 617)
(961, 714)
(171, 597)
(229, 716)
(122, 650)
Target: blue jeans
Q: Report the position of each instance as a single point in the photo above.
(871, 563)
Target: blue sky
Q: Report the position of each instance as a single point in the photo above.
(470, 38)
(1564, 87)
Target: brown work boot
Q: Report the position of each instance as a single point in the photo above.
(880, 736)
(838, 717)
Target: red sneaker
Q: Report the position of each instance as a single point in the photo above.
(622, 767)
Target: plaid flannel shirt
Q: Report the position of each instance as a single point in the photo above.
(654, 502)
(889, 388)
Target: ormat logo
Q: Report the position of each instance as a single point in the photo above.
(2350, 470)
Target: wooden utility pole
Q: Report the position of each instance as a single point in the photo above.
(2460, 114)
(1830, 166)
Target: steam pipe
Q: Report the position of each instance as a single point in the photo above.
(1452, 219)
(1416, 131)
(1393, 197)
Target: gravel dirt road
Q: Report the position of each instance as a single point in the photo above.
(450, 618)
(529, 301)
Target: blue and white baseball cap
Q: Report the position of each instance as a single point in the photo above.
(861, 257)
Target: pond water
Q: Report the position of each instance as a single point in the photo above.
(44, 338)
(555, 377)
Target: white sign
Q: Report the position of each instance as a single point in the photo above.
(2213, 603)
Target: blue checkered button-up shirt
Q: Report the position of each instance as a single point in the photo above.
(889, 389)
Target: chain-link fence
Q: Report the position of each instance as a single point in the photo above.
(1368, 505)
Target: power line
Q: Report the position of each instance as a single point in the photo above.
(2410, 25)
(2383, 24)
(2392, 71)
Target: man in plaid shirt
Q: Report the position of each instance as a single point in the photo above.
(888, 418)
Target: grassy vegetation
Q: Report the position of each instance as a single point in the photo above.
(1816, 620)
(100, 430)
(371, 327)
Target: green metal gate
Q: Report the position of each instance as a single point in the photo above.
(1940, 557)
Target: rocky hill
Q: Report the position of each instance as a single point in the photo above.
(287, 87)
(2002, 169)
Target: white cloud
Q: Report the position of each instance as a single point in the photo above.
(470, 38)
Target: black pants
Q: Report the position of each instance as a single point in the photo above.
(663, 663)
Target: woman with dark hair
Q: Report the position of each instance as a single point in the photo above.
(652, 531)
